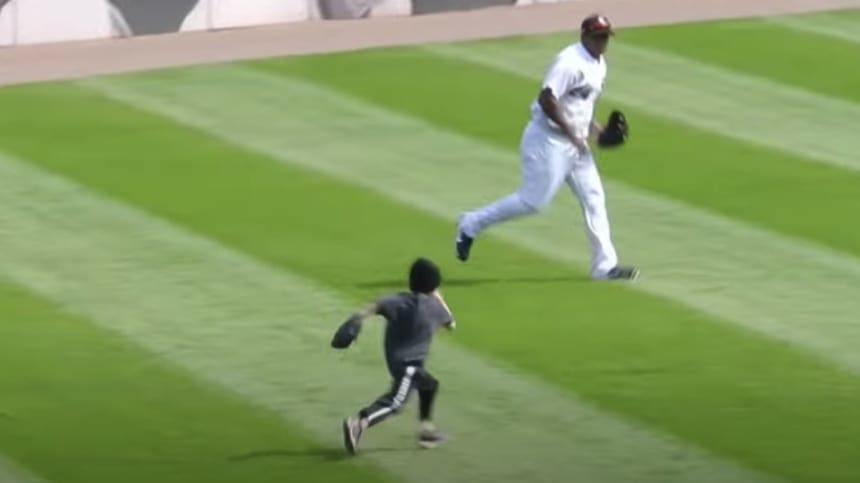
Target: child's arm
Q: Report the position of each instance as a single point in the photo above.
(365, 313)
(348, 331)
(452, 324)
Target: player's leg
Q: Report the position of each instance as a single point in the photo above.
(391, 402)
(383, 407)
(584, 180)
(427, 387)
(544, 164)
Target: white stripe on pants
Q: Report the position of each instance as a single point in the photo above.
(399, 397)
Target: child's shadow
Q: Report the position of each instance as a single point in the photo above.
(321, 454)
(477, 281)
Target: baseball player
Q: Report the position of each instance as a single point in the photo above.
(411, 320)
(554, 149)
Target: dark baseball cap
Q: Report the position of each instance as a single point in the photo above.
(596, 24)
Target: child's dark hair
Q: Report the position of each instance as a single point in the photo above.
(424, 276)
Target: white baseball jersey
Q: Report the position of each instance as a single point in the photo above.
(576, 79)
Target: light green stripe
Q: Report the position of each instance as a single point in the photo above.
(13, 473)
(723, 268)
(732, 104)
(829, 25)
(264, 333)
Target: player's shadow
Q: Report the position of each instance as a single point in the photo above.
(320, 454)
(476, 281)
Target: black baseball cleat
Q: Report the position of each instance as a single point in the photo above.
(622, 273)
(351, 434)
(463, 245)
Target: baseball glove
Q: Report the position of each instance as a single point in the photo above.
(346, 333)
(615, 131)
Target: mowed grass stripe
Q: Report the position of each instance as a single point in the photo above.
(814, 52)
(843, 25)
(264, 334)
(829, 27)
(733, 104)
(637, 355)
(730, 177)
(712, 264)
(82, 405)
(13, 473)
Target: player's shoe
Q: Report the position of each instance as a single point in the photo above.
(463, 245)
(429, 437)
(463, 242)
(622, 273)
(351, 433)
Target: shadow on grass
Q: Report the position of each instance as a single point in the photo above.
(393, 284)
(322, 454)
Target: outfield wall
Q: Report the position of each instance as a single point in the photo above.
(39, 21)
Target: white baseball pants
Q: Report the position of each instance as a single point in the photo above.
(547, 161)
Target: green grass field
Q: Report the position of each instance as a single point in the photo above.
(178, 246)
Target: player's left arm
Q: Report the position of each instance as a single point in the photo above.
(451, 324)
(595, 128)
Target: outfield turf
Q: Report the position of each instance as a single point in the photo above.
(179, 245)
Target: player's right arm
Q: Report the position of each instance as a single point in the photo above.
(348, 331)
(559, 79)
(369, 311)
(358, 317)
(374, 308)
(385, 306)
